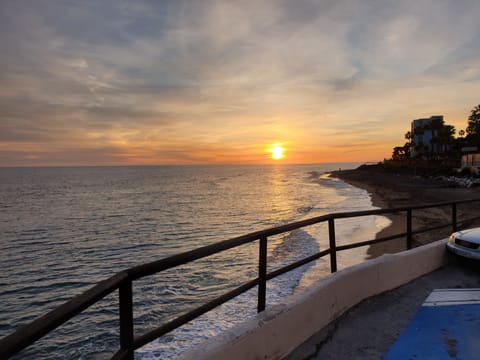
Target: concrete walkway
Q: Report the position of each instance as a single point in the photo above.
(446, 326)
(368, 330)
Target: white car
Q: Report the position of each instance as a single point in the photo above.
(465, 243)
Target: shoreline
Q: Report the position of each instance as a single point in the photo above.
(389, 189)
(397, 222)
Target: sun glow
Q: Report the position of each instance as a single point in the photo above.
(277, 152)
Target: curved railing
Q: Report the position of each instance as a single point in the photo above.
(122, 281)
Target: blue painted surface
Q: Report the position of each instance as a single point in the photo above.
(440, 332)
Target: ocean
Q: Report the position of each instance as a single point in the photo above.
(64, 229)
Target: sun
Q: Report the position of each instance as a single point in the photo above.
(277, 152)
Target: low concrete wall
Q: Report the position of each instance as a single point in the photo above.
(280, 329)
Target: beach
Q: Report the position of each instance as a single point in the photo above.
(392, 189)
(82, 221)
(362, 332)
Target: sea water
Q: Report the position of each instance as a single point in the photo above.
(64, 229)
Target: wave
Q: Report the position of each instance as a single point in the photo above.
(108, 219)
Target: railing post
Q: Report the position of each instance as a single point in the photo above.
(262, 274)
(409, 229)
(126, 319)
(454, 217)
(333, 245)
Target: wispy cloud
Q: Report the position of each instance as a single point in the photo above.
(216, 81)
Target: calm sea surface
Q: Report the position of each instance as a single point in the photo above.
(64, 229)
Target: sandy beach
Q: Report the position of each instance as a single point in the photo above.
(391, 189)
(362, 332)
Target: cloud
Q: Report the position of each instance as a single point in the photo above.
(184, 76)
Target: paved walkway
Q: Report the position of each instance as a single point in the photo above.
(446, 326)
(368, 330)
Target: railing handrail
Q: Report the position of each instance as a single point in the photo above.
(122, 281)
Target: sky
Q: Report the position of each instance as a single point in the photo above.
(219, 82)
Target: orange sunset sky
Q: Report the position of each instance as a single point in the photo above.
(198, 82)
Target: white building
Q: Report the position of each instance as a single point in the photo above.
(423, 132)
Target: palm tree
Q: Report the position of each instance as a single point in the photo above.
(446, 137)
(473, 128)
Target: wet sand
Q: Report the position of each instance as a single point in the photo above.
(390, 189)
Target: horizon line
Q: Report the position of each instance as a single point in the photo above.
(188, 164)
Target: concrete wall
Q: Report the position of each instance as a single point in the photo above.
(283, 327)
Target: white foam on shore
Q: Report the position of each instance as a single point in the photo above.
(347, 231)
(339, 197)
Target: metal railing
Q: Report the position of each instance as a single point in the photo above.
(122, 281)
